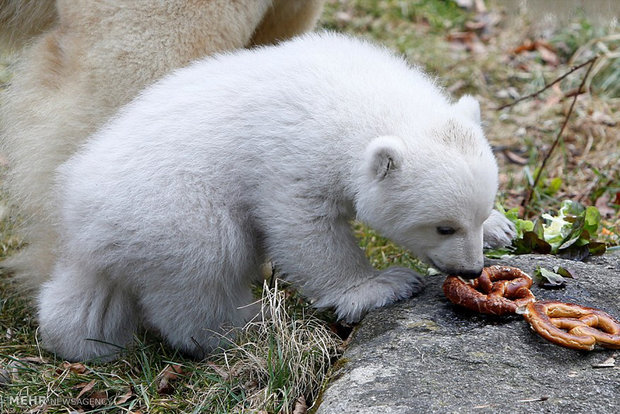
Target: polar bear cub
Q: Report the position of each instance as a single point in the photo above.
(168, 211)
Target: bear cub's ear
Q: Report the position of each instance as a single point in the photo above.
(384, 155)
(469, 106)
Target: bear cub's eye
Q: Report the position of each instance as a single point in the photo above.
(445, 230)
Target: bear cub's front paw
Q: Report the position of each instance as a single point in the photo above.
(388, 286)
(404, 282)
(498, 231)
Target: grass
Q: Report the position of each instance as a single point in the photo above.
(272, 363)
(276, 362)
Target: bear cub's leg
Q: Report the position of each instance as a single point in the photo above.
(83, 316)
(197, 318)
(323, 258)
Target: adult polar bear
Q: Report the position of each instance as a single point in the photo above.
(168, 211)
(93, 57)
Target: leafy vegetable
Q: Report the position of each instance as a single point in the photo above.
(547, 278)
(569, 232)
(551, 279)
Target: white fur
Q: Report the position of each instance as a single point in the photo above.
(168, 211)
(91, 58)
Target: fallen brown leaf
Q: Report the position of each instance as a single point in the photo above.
(548, 56)
(343, 17)
(77, 367)
(475, 25)
(39, 409)
(469, 40)
(98, 398)
(515, 158)
(170, 373)
(85, 388)
(526, 46)
(124, 398)
(34, 360)
(544, 49)
(218, 370)
(602, 118)
(603, 206)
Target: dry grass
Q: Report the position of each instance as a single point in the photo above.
(273, 365)
(279, 358)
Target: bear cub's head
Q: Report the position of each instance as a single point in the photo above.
(431, 192)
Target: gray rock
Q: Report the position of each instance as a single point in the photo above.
(427, 355)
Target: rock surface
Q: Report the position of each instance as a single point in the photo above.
(427, 355)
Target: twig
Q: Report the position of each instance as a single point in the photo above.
(538, 92)
(528, 196)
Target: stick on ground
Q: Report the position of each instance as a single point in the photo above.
(547, 86)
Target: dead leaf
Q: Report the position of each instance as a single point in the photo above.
(250, 386)
(547, 55)
(85, 388)
(300, 406)
(34, 360)
(602, 203)
(602, 118)
(515, 158)
(39, 409)
(526, 46)
(469, 40)
(98, 398)
(76, 367)
(170, 373)
(510, 92)
(124, 398)
(475, 25)
(343, 17)
(218, 370)
(15, 366)
(545, 50)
